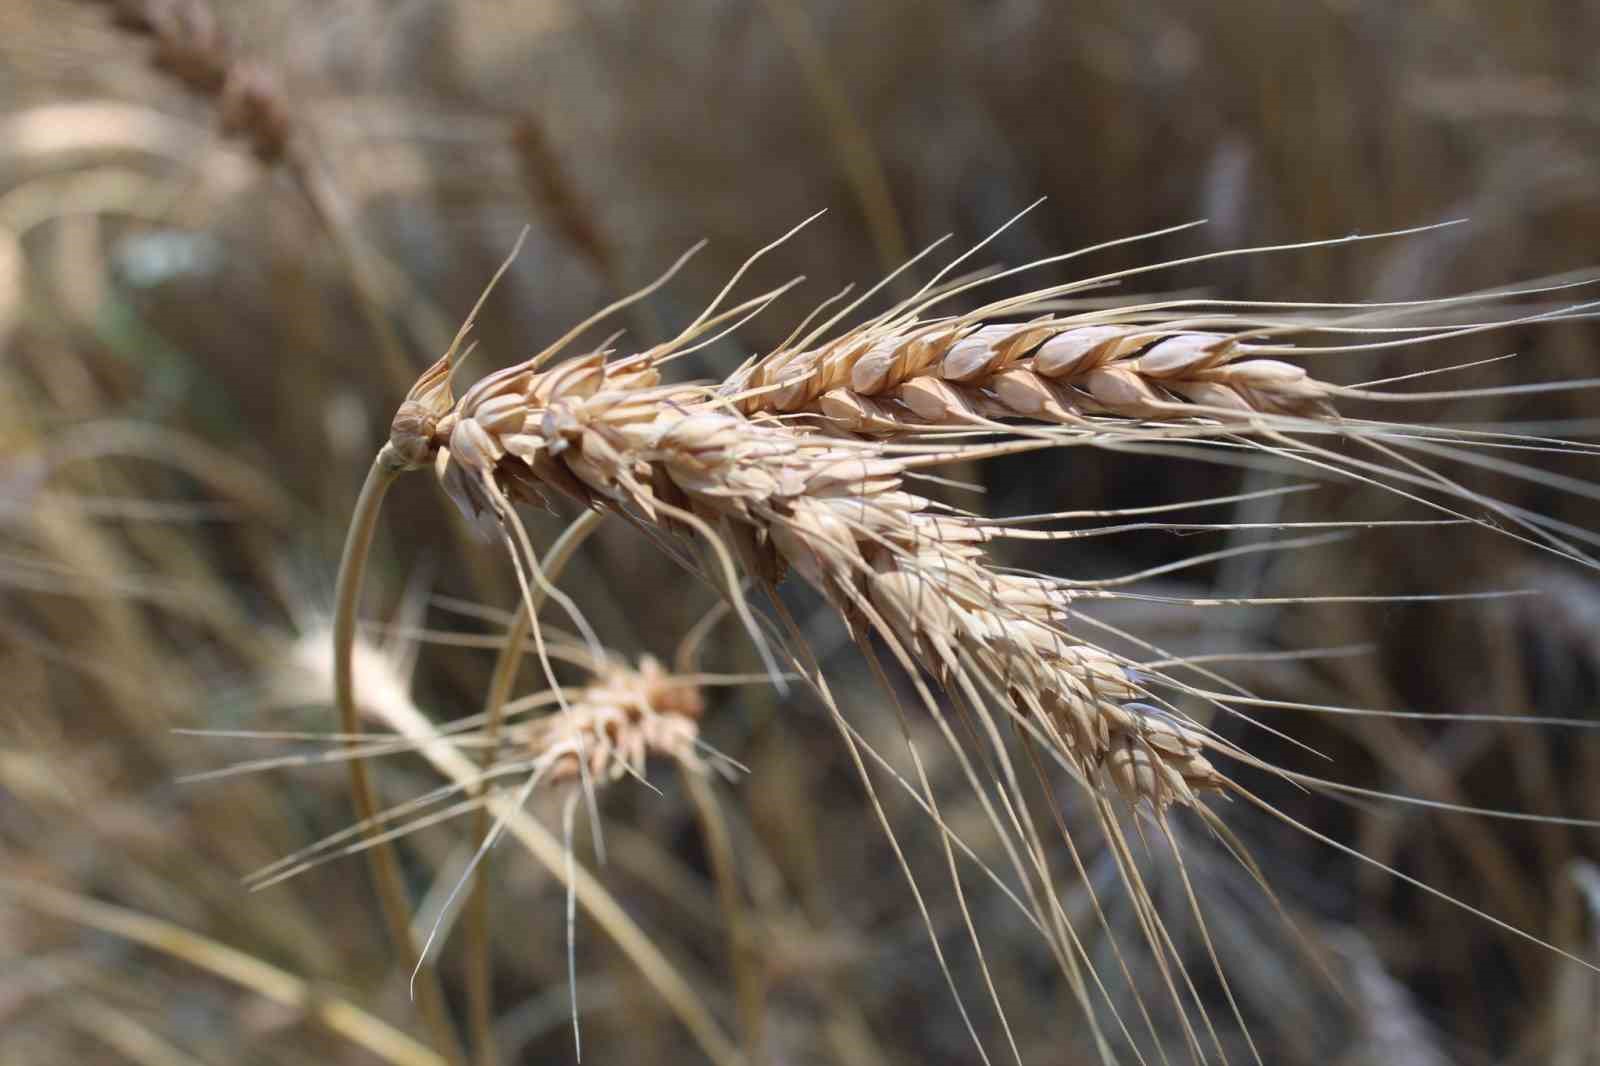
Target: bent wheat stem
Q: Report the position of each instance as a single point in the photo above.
(384, 865)
(744, 955)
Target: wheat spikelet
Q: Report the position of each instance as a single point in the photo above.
(193, 47)
(624, 715)
(954, 373)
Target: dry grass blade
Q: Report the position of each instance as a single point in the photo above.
(343, 1018)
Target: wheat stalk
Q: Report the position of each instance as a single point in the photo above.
(799, 463)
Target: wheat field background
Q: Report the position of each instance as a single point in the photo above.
(232, 235)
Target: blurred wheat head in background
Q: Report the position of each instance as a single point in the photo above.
(1051, 771)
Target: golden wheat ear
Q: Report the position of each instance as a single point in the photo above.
(804, 463)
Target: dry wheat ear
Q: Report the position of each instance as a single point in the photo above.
(803, 462)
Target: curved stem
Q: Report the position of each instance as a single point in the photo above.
(381, 858)
(480, 976)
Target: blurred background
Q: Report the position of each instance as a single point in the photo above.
(232, 233)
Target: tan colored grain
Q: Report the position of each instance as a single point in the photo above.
(835, 512)
(942, 374)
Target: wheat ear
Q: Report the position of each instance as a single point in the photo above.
(741, 471)
(192, 47)
(610, 725)
(589, 892)
(836, 513)
(779, 499)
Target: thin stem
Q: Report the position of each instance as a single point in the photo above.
(331, 212)
(861, 163)
(743, 958)
(480, 974)
(381, 858)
